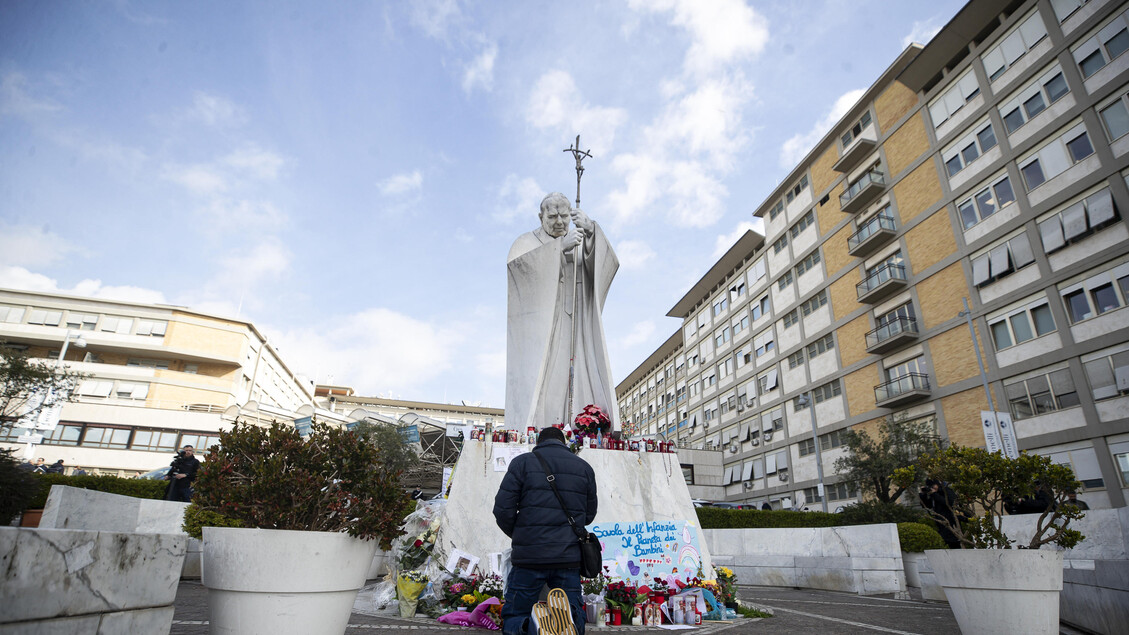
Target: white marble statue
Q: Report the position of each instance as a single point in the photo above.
(539, 337)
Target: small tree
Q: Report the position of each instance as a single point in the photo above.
(870, 462)
(987, 481)
(395, 455)
(27, 385)
(17, 487)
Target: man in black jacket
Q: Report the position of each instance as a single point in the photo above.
(545, 548)
(181, 474)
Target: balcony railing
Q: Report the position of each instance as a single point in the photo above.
(891, 335)
(862, 191)
(871, 235)
(882, 282)
(861, 147)
(904, 389)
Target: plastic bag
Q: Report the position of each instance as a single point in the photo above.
(377, 599)
(408, 592)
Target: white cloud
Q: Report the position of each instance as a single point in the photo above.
(480, 72)
(641, 333)
(16, 97)
(204, 180)
(921, 32)
(21, 278)
(377, 349)
(259, 163)
(721, 31)
(795, 148)
(556, 103)
(245, 268)
(223, 215)
(725, 241)
(633, 254)
(214, 110)
(30, 246)
(434, 17)
(401, 184)
(519, 199)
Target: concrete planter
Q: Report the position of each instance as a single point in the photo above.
(76, 581)
(266, 581)
(1001, 590)
(379, 565)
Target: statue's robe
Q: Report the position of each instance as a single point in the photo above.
(540, 328)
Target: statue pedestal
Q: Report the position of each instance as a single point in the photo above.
(633, 487)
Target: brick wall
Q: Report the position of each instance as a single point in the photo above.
(852, 340)
(939, 295)
(893, 104)
(931, 241)
(918, 191)
(844, 298)
(822, 176)
(906, 144)
(859, 389)
(953, 357)
(962, 417)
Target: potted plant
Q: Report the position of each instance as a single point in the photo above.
(290, 526)
(915, 540)
(991, 587)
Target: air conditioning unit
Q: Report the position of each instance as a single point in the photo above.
(756, 442)
(767, 437)
(747, 485)
(734, 448)
(706, 425)
(783, 476)
(740, 407)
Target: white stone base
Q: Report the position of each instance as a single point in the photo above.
(149, 621)
(1001, 591)
(101, 577)
(632, 487)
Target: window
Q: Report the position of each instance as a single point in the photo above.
(1108, 374)
(1056, 156)
(807, 446)
(128, 390)
(709, 379)
(760, 307)
(856, 129)
(1002, 260)
(791, 318)
(81, 321)
(780, 244)
(767, 381)
(832, 440)
(756, 272)
(720, 306)
(784, 280)
(1020, 325)
(1077, 221)
(808, 263)
(796, 359)
(840, 491)
(725, 368)
(958, 94)
(1014, 45)
(811, 495)
(827, 391)
(162, 364)
(986, 202)
(1033, 98)
(776, 210)
(1066, 8)
(915, 366)
(797, 188)
(1115, 117)
(821, 346)
(199, 442)
(903, 312)
(151, 327)
(807, 220)
(11, 314)
(814, 302)
(94, 388)
(969, 148)
(63, 434)
(740, 325)
(1043, 393)
(721, 336)
(736, 291)
(1109, 43)
(1123, 467)
(764, 343)
(110, 438)
(1097, 295)
(45, 317)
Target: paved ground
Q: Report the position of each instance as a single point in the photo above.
(796, 611)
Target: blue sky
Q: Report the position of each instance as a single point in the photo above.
(349, 175)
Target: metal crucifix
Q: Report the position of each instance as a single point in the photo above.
(579, 155)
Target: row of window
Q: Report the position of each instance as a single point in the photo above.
(82, 321)
(117, 437)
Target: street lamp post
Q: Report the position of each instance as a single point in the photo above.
(79, 342)
(806, 401)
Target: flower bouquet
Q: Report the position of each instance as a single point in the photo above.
(409, 586)
(727, 586)
(590, 423)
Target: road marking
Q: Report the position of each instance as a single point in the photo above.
(910, 603)
(848, 622)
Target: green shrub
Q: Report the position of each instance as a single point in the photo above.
(18, 487)
(195, 519)
(915, 537)
(875, 511)
(724, 518)
(272, 478)
(135, 487)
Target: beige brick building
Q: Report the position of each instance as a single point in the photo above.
(990, 166)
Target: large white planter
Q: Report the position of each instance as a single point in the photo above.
(272, 582)
(1001, 590)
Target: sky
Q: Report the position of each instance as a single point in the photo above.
(349, 176)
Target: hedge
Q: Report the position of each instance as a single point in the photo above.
(135, 487)
(726, 518)
(916, 537)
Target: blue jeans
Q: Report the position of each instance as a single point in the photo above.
(523, 588)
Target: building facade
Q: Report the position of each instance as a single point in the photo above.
(989, 167)
(158, 377)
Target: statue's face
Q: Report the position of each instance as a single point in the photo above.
(555, 219)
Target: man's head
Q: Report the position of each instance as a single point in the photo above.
(932, 484)
(188, 451)
(1071, 495)
(40, 461)
(551, 433)
(554, 214)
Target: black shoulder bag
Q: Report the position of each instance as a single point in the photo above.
(591, 559)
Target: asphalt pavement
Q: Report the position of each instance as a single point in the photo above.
(794, 611)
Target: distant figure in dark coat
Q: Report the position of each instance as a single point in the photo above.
(940, 499)
(56, 467)
(182, 471)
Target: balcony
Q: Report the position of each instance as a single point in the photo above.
(882, 282)
(891, 335)
(862, 147)
(901, 391)
(871, 235)
(862, 192)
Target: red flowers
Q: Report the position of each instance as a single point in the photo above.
(591, 420)
(418, 543)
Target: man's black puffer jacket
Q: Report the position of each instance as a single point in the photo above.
(528, 512)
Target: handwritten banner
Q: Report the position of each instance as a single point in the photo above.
(641, 552)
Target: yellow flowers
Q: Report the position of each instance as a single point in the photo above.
(469, 600)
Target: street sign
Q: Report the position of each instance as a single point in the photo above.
(410, 434)
(302, 425)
